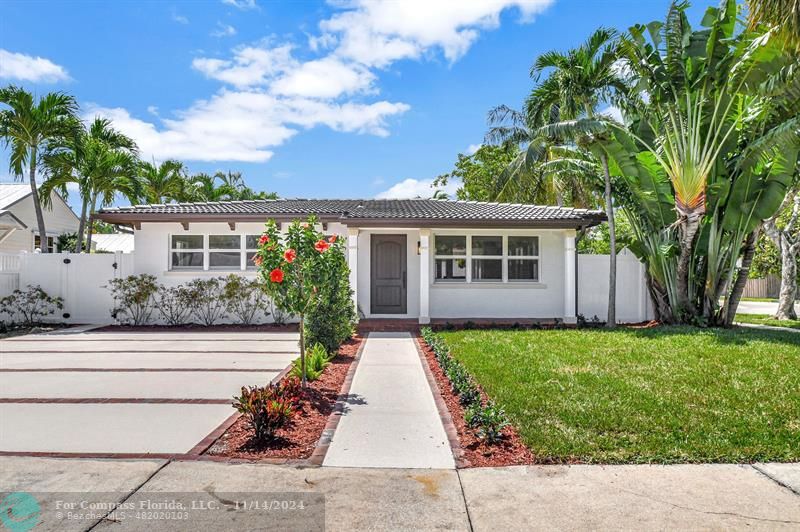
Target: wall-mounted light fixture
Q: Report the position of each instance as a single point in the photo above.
(419, 248)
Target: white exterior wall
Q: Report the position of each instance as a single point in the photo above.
(543, 299)
(57, 220)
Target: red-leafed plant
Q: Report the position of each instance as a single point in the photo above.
(269, 408)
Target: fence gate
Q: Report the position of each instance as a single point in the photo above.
(9, 273)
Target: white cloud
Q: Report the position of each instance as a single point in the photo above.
(223, 30)
(275, 68)
(244, 125)
(472, 148)
(29, 68)
(250, 66)
(241, 4)
(180, 19)
(376, 33)
(325, 78)
(415, 188)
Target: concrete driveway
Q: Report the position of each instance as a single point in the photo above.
(761, 307)
(112, 392)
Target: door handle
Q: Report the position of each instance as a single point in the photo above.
(404, 279)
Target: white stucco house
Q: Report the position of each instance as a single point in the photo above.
(416, 259)
(18, 228)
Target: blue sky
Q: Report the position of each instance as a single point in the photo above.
(307, 99)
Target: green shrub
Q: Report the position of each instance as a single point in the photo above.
(268, 408)
(174, 304)
(244, 298)
(208, 303)
(331, 318)
(492, 420)
(29, 306)
(133, 298)
(317, 359)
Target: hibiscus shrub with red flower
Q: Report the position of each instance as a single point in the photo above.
(306, 275)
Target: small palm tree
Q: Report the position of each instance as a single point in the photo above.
(34, 130)
(204, 188)
(102, 162)
(162, 183)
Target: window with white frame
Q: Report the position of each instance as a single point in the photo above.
(251, 247)
(224, 252)
(523, 258)
(213, 252)
(491, 258)
(450, 258)
(186, 252)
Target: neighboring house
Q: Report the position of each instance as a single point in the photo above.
(417, 258)
(110, 243)
(18, 228)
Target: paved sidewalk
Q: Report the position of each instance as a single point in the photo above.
(638, 497)
(391, 418)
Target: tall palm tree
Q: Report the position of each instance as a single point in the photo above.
(101, 161)
(161, 183)
(572, 85)
(34, 129)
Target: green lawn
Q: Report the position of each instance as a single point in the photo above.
(764, 319)
(760, 299)
(667, 394)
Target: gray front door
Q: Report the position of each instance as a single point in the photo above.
(388, 274)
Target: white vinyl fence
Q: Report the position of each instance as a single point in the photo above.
(79, 279)
(9, 273)
(633, 301)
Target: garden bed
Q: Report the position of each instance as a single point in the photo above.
(21, 330)
(195, 327)
(476, 453)
(298, 440)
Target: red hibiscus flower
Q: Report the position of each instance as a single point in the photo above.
(321, 246)
(263, 240)
(257, 260)
(276, 275)
(332, 239)
(290, 255)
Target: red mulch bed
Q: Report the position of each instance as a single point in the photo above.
(195, 327)
(297, 441)
(511, 451)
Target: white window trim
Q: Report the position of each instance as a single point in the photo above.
(210, 250)
(505, 257)
(243, 250)
(172, 250)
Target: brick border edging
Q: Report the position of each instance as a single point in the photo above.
(441, 406)
(324, 442)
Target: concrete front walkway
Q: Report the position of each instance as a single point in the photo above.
(391, 419)
(682, 497)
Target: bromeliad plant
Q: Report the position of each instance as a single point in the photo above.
(297, 267)
(268, 408)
